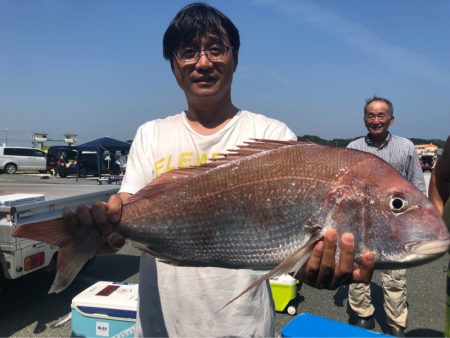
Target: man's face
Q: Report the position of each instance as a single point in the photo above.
(205, 78)
(377, 118)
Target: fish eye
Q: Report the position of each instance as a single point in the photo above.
(397, 204)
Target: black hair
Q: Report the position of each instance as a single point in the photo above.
(197, 20)
(382, 99)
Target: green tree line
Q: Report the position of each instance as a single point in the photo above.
(342, 142)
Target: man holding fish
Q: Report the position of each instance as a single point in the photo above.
(202, 46)
(401, 154)
(270, 203)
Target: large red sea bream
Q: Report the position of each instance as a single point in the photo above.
(263, 207)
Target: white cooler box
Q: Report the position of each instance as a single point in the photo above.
(106, 309)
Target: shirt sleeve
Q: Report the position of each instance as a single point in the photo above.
(140, 169)
(280, 131)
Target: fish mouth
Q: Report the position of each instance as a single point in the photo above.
(418, 253)
(430, 248)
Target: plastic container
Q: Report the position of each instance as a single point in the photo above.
(106, 309)
(284, 293)
(309, 325)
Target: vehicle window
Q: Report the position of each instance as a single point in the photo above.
(11, 151)
(38, 153)
(67, 154)
(27, 152)
(19, 152)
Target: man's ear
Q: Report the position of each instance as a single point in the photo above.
(392, 120)
(235, 59)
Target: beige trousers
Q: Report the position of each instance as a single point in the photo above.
(393, 283)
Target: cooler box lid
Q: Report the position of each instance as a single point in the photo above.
(284, 279)
(111, 299)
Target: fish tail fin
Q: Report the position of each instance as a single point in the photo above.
(72, 254)
(292, 264)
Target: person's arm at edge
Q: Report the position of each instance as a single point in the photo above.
(439, 189)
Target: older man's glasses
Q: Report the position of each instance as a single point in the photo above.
(192, 55)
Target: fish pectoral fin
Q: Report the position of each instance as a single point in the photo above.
(146, 249)
(292, 264)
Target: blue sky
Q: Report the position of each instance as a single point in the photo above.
(95, 67)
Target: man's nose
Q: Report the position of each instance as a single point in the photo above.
(203, 60)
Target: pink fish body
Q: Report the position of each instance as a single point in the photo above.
(263, 207)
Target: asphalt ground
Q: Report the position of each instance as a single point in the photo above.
(26, 310)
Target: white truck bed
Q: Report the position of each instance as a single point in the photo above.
(45, 202)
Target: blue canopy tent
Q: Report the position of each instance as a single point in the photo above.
(100, 146)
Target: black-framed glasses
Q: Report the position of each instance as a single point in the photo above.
(192, 54)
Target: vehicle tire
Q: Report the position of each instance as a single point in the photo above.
(63, 175)
(10, 168)
(82, 173)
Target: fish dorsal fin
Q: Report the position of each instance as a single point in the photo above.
(249, 148)
(255, 146)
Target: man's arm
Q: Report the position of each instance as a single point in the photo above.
(439, 190)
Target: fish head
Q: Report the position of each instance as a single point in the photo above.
(390, 217)
(386, 214)
(406, 229)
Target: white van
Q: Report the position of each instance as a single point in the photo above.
(13, 159)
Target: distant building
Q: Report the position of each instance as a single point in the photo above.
(427, 154)
(429, 149)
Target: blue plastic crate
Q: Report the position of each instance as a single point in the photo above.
(309, 325)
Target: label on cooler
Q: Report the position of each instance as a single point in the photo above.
(102, 329)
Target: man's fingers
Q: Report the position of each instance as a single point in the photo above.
(70, 219)
(322, 271)
(114, 242)
(365, 271)
(114, 208)
(344, 269)
(310, 270)
(101, 218)
(327, 263)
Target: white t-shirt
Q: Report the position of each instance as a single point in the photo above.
(185, 301)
